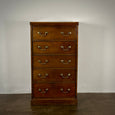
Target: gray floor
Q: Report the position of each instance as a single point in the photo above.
(88, 104)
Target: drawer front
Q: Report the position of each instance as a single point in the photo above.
(53, 75)
(54, 90)
(54, 61)
(54, 47)
(54, 33)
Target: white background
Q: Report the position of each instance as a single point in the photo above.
(96, 41)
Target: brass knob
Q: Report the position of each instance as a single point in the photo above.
(68, 89)
(69, 74)
(46, 61)
(46, 89)
(39, 90)
(39, 61)
(46, 74)
(61, 74)
(62, 47)
(46, 33)
(69, 32)
(62, 61)
(39, 74)
(69, 47)
(69, 61)
(39, 47)
(46, 47)
(61, 89)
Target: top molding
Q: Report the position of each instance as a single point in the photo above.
(55, 23)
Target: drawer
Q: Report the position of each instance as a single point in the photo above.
(54, 47)
(54, 90)
(54, 61)
(55, 75)
(54, 33)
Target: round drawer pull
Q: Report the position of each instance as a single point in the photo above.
(46, 47)
(69, 47)
(61, 89)
(62, 61)
(39, 47)
(46, 61)
(39, 61)
(61, 74)
(39, 75)
(69, 74)
(69, 61)
(62, 47)
(68, 89)
(39, 90)
(46, 74)
(46, 89)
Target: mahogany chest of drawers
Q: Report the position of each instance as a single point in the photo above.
(54, 55)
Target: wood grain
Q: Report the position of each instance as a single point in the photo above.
(48, 61)
(54, 75)
(54, 23)
(54, 90)
(54, 33)
(54, 47)
(53, 61)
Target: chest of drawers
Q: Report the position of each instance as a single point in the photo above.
(54, 55)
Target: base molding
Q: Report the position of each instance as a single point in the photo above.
(54, 101)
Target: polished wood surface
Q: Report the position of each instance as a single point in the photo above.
(54, 48)
(54, 32)
(54, 23)
(53, 75)
(54, 101)
(54, 90)
(53, 61)
(88, 104)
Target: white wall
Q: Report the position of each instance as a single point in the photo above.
(96, 41)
